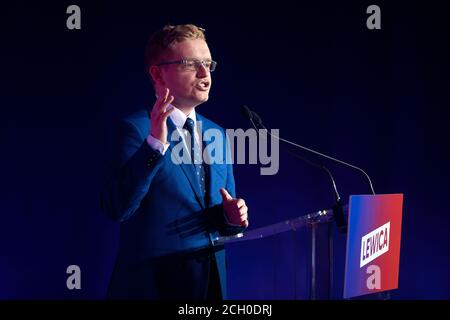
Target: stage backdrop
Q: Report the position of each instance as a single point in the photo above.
(375, 98)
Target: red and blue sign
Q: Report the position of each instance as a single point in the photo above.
(373, 244)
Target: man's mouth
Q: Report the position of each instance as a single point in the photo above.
(203, 85)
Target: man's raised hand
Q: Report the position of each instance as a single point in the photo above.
(159, 116)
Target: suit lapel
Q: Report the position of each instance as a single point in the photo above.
(187, 168)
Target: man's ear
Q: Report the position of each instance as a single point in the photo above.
(156, 75)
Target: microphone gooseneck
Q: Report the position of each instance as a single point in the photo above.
(253, 116)
(255, 119)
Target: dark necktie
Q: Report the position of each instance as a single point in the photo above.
(196, 154)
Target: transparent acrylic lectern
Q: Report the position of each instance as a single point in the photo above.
(320, 225)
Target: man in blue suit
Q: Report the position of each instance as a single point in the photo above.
(171, 209)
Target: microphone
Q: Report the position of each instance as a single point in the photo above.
(254, 118)
(338, 212)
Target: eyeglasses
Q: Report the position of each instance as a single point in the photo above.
(193, 64)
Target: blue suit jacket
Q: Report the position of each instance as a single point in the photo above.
(165, 219)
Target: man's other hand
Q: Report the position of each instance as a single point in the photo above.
(235, 209)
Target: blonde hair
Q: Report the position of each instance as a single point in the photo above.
(161, 41)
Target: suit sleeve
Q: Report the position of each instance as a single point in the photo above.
(133, 166)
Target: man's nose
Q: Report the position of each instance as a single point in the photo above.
(202, 72)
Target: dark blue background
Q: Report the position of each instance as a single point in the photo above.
(377, 99)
